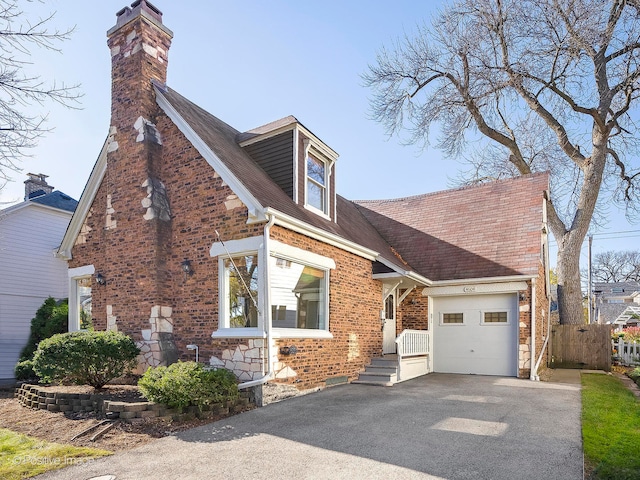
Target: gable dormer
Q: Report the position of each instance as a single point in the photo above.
(298, 162)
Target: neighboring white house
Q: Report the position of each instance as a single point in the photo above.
(30, 232)
(617, 302)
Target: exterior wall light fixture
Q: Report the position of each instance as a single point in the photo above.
(186, 267)
(100, 280)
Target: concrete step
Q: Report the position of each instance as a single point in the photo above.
(377, 377)
(374, 382)
(380, 370)
(384, 362)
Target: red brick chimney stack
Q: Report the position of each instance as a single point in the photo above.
(139, 44)
(132, 195)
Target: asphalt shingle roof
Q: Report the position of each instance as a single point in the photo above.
(222, 139)
(487, 230)
(473, 232)
(56, 199)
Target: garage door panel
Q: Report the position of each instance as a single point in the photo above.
(474, 346)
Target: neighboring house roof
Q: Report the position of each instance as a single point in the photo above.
(613, 299)
(488, 230)
(616, 289)
(609, 312)
(57, 200)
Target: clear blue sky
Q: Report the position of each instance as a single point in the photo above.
(251, 62)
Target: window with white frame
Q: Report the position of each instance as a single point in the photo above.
(317, 184)
(298, 289)
(80, 298)
(299, 295)
(495, 317)
(240, 290)
(454, 318)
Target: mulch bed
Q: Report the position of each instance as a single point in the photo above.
(61, 427)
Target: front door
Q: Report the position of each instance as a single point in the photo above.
(389, 327)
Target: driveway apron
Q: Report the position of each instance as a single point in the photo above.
(439, 426)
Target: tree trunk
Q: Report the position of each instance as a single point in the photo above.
(570, 307)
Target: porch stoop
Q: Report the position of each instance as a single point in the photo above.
(382, 371)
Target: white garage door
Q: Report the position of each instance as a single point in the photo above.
(476, 334)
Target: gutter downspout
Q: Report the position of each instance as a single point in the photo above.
(546, 340)
(534, 370)
(547, 286)
(266, 308)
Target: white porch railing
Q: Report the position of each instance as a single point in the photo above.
(412, 343)
(628, 352)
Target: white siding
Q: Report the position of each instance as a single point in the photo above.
(29, 273)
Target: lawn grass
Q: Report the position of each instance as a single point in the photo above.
(23, 457)
(610, 428)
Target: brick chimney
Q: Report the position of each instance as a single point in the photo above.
(136, 238)
(139, 44)
(36, 186)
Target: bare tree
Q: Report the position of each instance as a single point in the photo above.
(21, 91)
(520, 86)
(616, 266)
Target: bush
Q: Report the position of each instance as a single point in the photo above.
(85, 357)
(631, 334)
(183, 384)
(23, 371)
(52, 317)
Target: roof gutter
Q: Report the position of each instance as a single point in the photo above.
(509, 278)
(410, 274)
(287, 221)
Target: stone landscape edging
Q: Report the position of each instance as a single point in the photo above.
(36, 397)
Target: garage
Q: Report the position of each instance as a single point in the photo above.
(476, 334)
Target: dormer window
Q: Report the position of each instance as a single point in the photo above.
(316, 184)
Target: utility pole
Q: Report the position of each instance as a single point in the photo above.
(590, 289)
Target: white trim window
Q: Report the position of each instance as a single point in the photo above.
(240, 288)
(299, 292)
(80, 300)
(495, 317)
(295, 299)
(317, 184)
(298, 295)
(450, 319)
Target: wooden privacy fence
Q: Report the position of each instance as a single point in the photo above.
(581, 346)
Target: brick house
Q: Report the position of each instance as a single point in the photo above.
(193, 233)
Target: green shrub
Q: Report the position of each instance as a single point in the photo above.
(23, 371)
(52, 317)
(183, 384)
(85, 357)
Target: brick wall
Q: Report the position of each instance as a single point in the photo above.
(160, 203)
(527, 315)
(354, 304)
(524, 333)
(413, 312)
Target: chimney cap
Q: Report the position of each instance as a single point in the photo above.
(138, 8)
(36, 185)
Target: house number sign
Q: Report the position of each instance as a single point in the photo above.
(469, 289)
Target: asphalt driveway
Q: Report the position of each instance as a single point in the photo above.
(438, 426)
